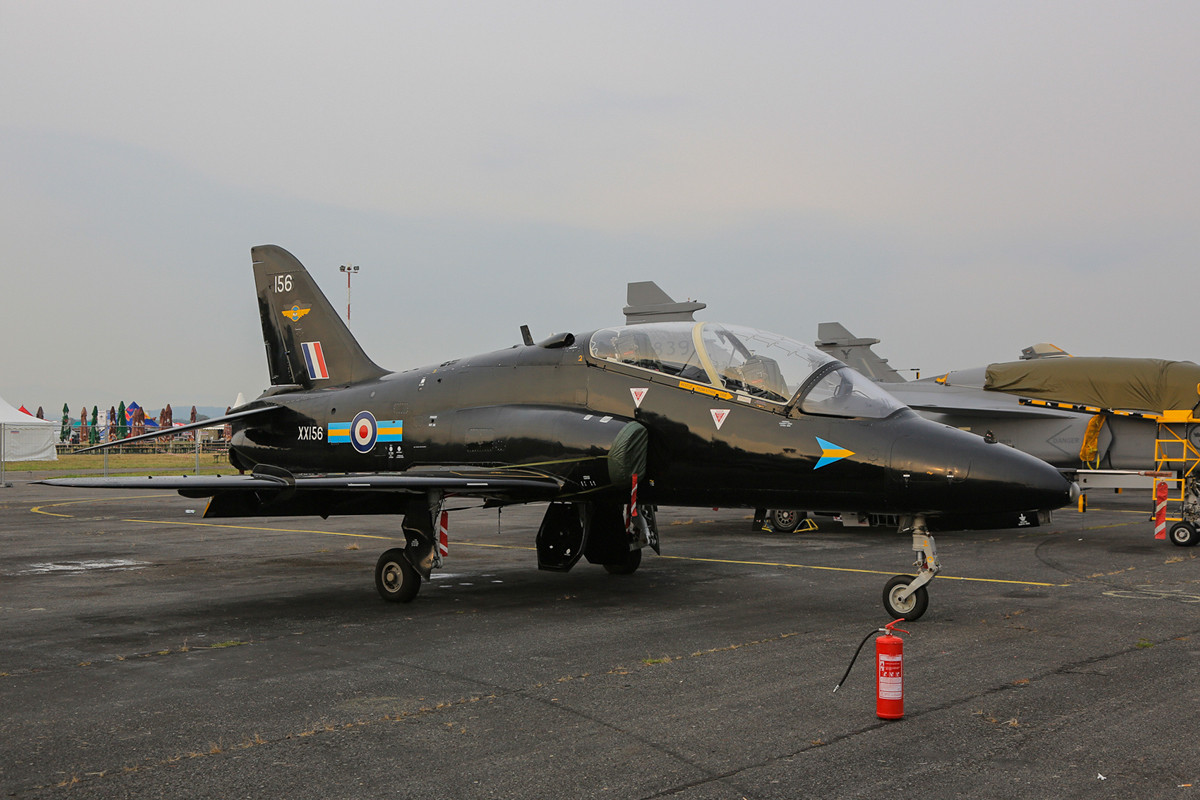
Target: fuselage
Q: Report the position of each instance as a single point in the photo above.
(561, 408)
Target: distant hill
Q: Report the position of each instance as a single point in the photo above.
(203, 411)
(182, 412)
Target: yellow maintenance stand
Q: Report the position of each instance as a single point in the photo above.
(1176, 449)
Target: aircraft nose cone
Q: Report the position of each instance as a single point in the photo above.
(954, 471)
(1011, 480)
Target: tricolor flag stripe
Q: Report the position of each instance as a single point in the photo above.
(314, 360)
(388, 430)
(391, 430)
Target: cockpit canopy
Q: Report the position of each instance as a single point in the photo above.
(746, 361)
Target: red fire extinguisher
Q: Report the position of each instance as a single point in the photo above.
(889, 671)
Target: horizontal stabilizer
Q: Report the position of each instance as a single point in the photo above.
(191, 426)
(963, 407)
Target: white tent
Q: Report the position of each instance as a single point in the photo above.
(26, 438)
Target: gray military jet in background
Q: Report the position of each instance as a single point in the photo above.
(1076, 413)
(1108, 423)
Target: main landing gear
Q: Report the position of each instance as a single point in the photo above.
(396, 580)
(604, 532)
(399, 571)
(905, 596)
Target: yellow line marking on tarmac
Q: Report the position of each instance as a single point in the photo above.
(793, 566)
(38, 509)
(520, 547)
(496, 546)
(851, 569)
(259, 528)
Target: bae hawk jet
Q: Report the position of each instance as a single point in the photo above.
(603, 426)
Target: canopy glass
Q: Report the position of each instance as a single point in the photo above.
(746, 361)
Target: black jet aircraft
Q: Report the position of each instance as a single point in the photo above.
(604, 426)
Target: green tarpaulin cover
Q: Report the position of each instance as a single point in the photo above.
(1130, 384)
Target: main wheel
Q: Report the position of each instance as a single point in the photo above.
(395, 579)
(785, 520)
(626, 567)
(911, 608)
(1183, 534)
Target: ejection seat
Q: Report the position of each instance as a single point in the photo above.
(761, 377)
(634, 347)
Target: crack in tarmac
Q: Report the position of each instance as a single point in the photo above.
(498, 692)
(1129, 592)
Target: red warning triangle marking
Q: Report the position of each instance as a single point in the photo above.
(638, 396)
(719, 415)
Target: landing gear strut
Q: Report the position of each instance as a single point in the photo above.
(905, 596)
(399, 571)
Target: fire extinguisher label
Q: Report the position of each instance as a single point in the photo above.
(891, 677)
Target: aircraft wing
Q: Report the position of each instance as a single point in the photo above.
(969, 402)
(503, 485)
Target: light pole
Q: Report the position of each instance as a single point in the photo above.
(349, 269)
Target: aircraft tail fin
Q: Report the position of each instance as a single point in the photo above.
(834, 339)
(308, 344)
(649, 303)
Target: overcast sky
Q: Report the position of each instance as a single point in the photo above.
(957, 179)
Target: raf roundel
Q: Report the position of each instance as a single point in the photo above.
(363, 432)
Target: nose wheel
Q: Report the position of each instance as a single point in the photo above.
(905, 596)
(900, 603)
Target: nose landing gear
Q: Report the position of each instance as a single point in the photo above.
(905, 596)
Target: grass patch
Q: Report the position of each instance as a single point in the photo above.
(71, 465)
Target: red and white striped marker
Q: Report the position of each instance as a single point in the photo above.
(1160, 510)
(443, 532)
(631, 512)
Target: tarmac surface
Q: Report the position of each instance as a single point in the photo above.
(146, 653)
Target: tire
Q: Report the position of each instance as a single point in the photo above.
(912, 608)
(1183, 535)
(626, 567)
(785, 520)
(395, 579)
